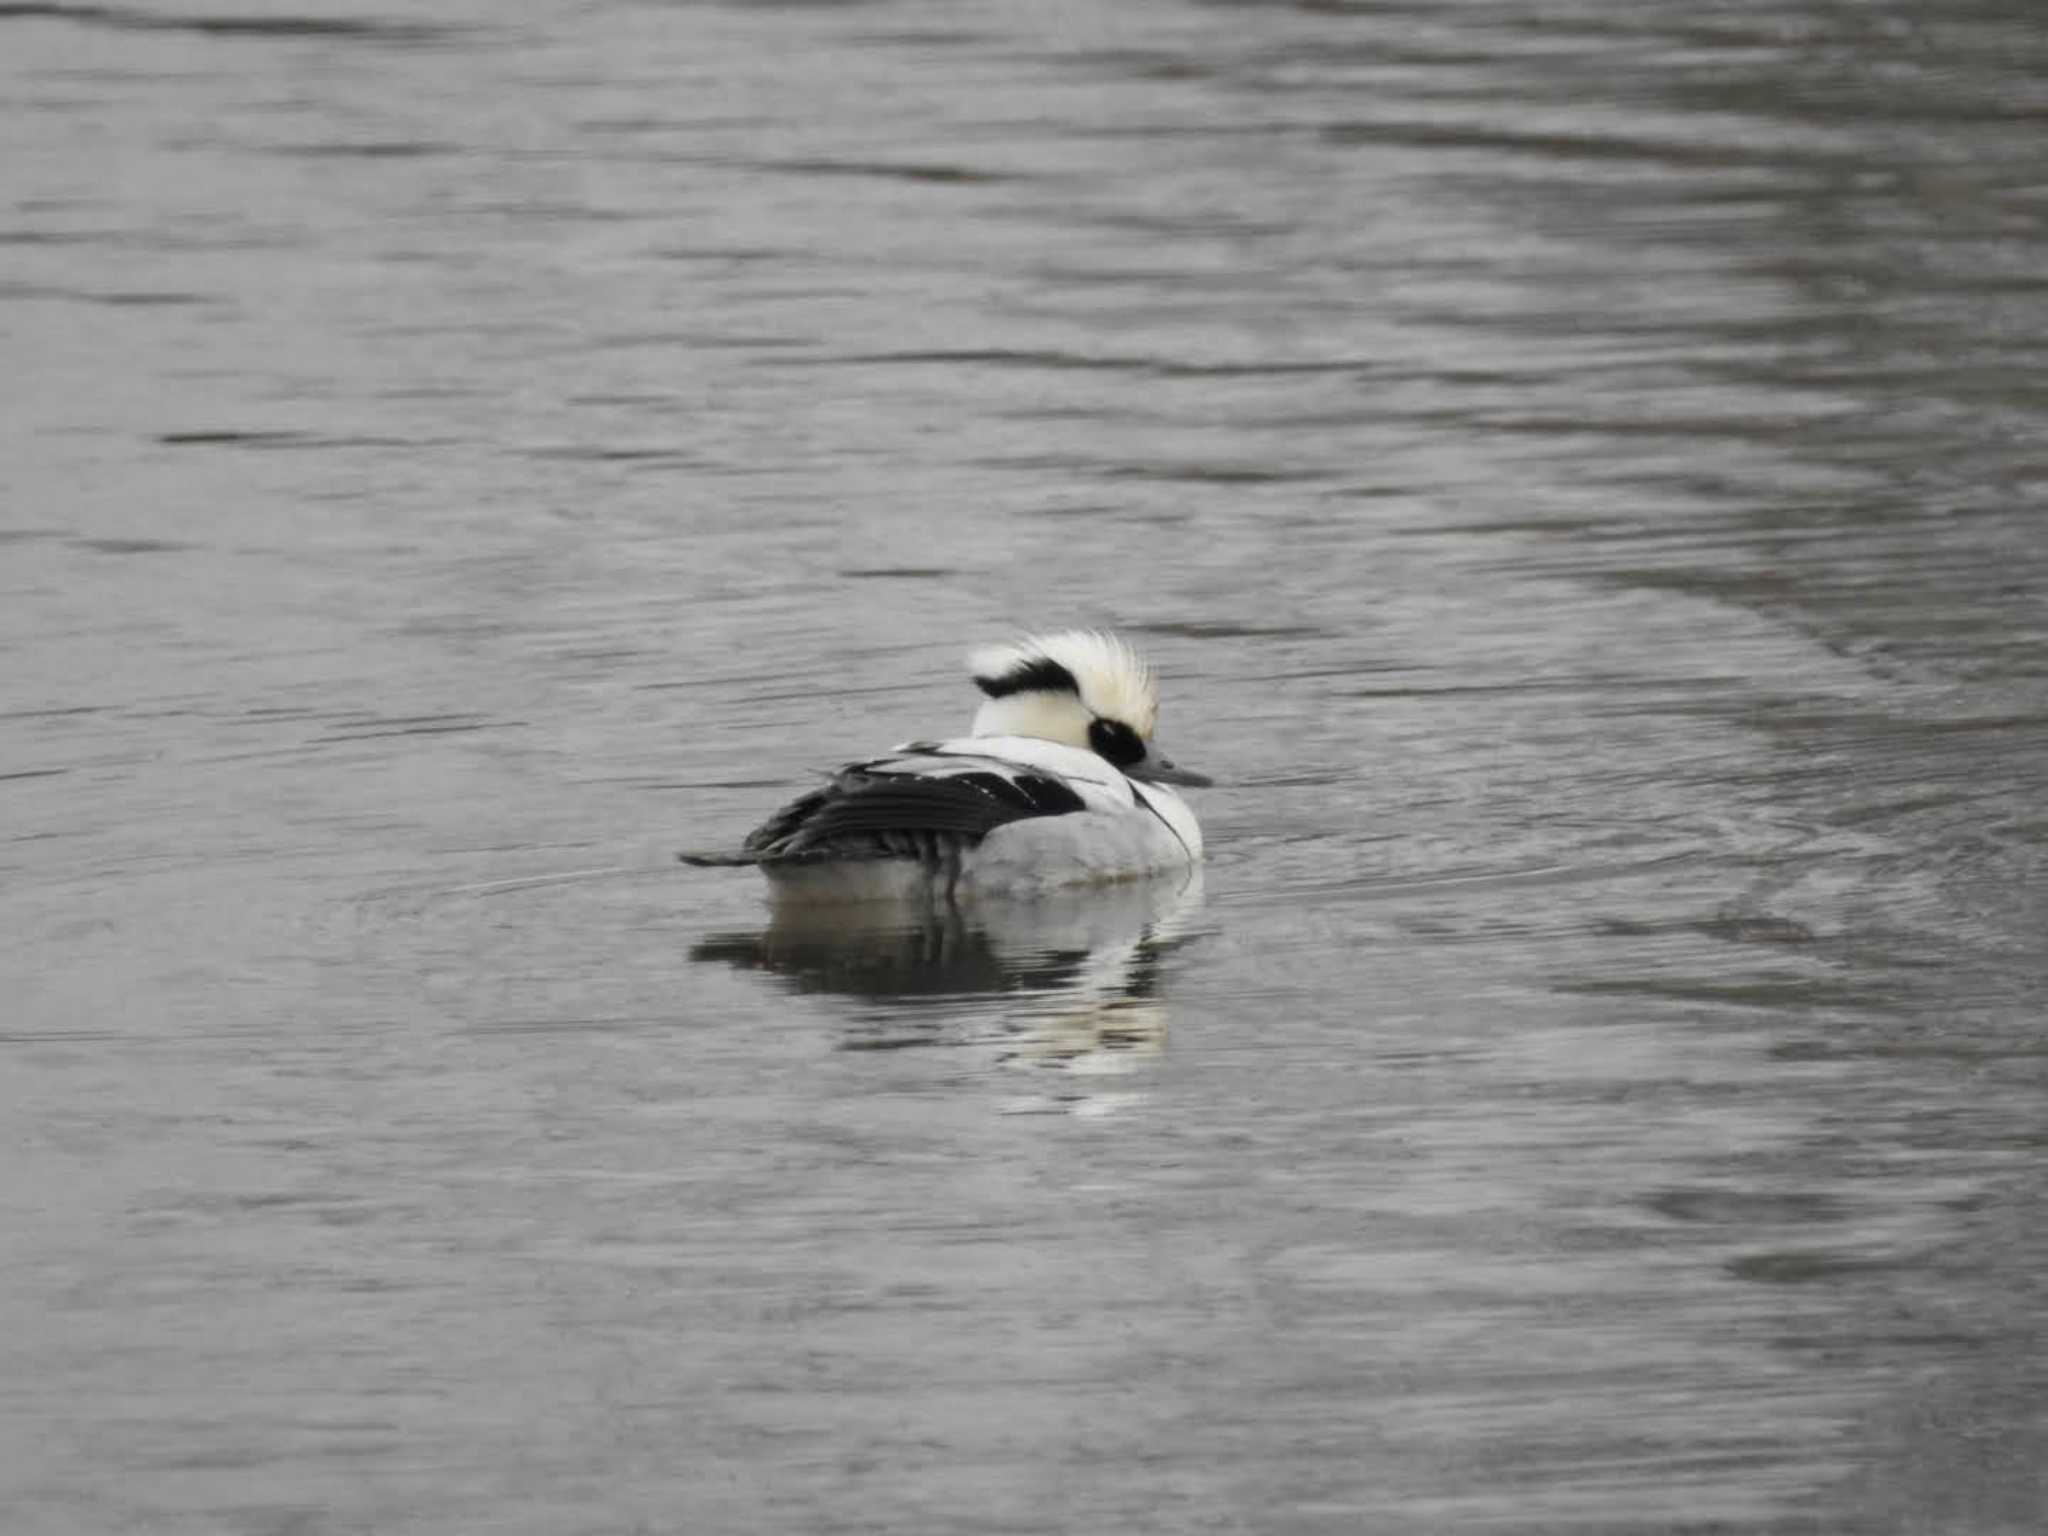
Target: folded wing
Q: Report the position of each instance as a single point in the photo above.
(912, 805)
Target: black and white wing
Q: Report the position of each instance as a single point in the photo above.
(919, 803)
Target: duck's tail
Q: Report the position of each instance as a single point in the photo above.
(721, 859)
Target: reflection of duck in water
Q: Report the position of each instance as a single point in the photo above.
(1066, 979)
(1059, 784)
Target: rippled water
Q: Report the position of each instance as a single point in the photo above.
(1581, 469)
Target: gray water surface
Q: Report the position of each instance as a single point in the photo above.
(1580, 469)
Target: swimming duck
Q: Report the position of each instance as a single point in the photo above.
(1058, 783)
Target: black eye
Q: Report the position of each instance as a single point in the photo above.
(1116, 741)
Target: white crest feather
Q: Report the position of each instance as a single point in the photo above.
(1115, 681)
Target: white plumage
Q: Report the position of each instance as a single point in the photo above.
(1114, 680)
(1059, 784)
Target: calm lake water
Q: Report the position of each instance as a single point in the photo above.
(1581, 469)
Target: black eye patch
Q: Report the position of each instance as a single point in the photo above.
(1116, 741)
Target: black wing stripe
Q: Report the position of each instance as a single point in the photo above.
(1049, 797)
(864, 813)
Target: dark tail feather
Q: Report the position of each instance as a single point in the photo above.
(718, 860)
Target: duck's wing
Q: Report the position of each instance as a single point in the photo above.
(916, 804)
